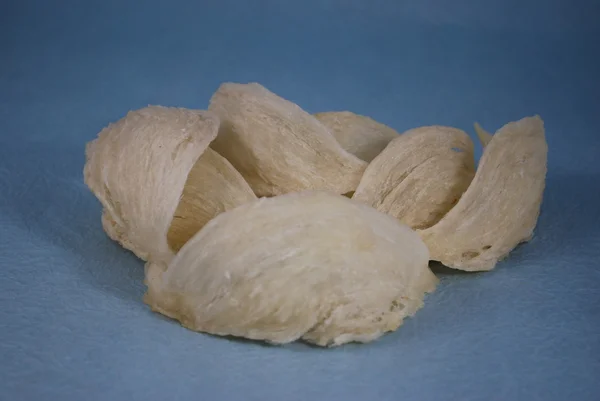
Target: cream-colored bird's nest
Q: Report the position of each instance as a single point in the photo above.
(239, 212)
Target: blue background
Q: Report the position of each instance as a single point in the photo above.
(72, 323)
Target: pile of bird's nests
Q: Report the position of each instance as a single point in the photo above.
(257, 219)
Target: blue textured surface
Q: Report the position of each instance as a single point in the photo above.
(72, 323)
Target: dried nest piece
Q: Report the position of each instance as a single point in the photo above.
(362, 136)
(213, 186)
(311, 265)
(484, 136)
(500, 208)
(154, 164)
(420, 175)
(277, 146)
